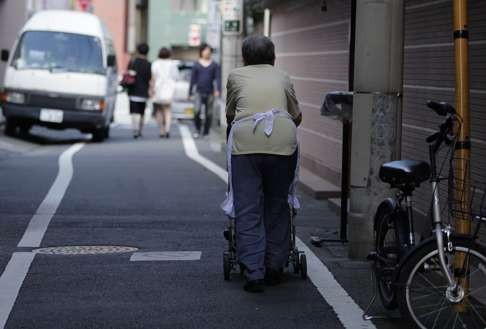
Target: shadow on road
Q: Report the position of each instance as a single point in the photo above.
(49, 140)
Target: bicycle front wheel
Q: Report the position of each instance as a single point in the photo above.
(422, 288)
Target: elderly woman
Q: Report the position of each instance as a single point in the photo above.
(263, 113)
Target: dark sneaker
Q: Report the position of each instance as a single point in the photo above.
(254, 286)
(273, 277)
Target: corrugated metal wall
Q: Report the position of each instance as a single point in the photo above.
(312, 46)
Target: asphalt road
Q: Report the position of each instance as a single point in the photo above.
(145, 194)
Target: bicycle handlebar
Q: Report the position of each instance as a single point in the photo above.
(441, 108)
(446, 129)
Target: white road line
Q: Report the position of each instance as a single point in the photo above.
(18, 266)
(164, 256)
(192, 153)
(348, 312)
(11, 282)
(40, 221)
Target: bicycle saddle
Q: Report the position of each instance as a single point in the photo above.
(408, 173)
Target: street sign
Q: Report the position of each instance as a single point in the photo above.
(84, 4)
(232, 14)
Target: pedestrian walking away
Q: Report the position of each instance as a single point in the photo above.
(138, 92)
(206, 80)
(164, 77)
(263, 113)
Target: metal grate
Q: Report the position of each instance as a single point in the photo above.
(47, 101)
(85, 250)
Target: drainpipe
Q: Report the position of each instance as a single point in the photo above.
(266, 22)
(377, 105)
(131, 27)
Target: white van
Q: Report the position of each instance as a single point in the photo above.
(61, 74)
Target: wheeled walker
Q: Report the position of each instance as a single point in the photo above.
(297, 260)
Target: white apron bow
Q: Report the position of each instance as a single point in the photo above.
(268, 118)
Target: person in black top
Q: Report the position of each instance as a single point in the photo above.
(138, 93)
(206, 77)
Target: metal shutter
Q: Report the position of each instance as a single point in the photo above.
(312, 46)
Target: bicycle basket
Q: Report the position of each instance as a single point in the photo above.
(466, 199)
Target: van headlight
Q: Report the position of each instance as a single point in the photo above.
(92, 104)
(14, 97)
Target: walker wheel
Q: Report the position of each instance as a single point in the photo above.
(303, 266)
(295, 263)
(226, 266)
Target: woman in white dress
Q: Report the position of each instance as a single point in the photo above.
(164, 75)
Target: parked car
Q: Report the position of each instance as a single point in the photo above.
(61, 74)
(182, 107)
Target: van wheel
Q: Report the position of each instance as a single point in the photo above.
(107, 131)
(98, 135)
(24, 130)
(10, 128)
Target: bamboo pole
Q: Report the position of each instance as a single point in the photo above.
(463, 148)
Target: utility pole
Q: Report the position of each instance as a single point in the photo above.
(463, 145)
(231, 41)
(377, 107)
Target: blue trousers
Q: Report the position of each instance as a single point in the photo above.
(206, 103)
(262, 215)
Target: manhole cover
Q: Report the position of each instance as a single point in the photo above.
(85, 250)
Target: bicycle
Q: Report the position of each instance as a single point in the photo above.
(439, 282)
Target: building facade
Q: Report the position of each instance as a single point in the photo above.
(14, 14)
(114, 14)
(178, 24)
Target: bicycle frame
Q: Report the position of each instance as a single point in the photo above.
(439, 230)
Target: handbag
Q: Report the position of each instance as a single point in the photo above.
(129, 77)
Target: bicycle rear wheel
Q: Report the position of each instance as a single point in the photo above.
(387, 250)
(422, 288)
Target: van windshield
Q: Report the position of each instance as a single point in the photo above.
(59, 52)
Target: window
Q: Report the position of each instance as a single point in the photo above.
(190, 5)
(58, 51)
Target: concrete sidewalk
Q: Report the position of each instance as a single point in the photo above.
(318, 218)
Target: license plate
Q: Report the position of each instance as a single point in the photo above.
(189, 111)
(55, 116)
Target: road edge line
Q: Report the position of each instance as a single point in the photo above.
(11, 281)
(191, 151)
(38, 224)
